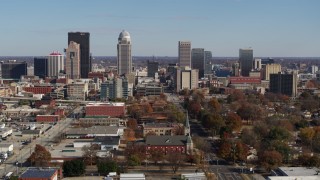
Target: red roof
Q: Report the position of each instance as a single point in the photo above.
(247, 80)
(55, 53)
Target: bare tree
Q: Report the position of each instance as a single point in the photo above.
(175, 159)
(90, 153)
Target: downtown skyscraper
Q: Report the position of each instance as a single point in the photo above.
(83, 39)
(197, 60)
(124, 58)
(55, 62)
(73, 60)
(246, 61)
(184, 53)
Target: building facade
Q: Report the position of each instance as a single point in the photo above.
(115, 88)
(284, 84)
(207, 62)
(13, 69)
(198, 60)
(184, 53)
(246, 61)
(152, 68)
(83, 39)
(73, 60)
(55, 64)
(105, 109)
(77, 91)
(270, 69)
(124, 61)
(186, 78)
(40, 66)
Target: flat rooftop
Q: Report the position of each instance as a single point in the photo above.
(106, 104)
(299, 171)
(94, 130)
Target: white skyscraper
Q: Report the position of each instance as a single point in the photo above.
(124, 61)
(55, 64)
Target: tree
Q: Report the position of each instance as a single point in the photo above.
(175, 159)
(90, 153)
(134, 160)
(156, 156)
(214, 105)
(306, 135)
(73, 168)
(129, 134)
(194, 108)
(271, 159)
(241, 151)
(105, 167)
(309, 161)
(278, 133)
(213, 121)
(225, 150)
(233, 121)
(40, 157)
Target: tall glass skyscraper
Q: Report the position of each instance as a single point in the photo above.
(124, 61)
(246, 61)
(197, 60)
(40, 66)
(82, 38)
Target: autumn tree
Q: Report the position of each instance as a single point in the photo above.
(271, 159)
(175, 159)
(40, 157)
(306, 135)
(233, 121)
(214, 105)
(213, 121)
(156, 156)
(129, 134)
(89, 153)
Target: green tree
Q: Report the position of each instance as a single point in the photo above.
(105, 167)
(73, 168)
(134, 160)
(306, 135)
(214, 122)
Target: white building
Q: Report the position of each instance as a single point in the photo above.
(6, 147)
(186, 78)
(55, 64)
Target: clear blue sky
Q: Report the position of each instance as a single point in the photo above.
(271, 27)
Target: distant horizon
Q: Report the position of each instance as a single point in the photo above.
(273, 28)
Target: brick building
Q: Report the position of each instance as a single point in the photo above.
(48, 118)
(49, 102)
(99, 75)
(166, 144)
(60, 112)
(245, 80)
(38, 89)
(105, 109)
(41, 174)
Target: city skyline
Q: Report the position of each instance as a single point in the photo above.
(273, 28)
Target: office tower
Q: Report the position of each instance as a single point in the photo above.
(257, 64)
(267, 61)
(270, 69)
(83, 39)
(186, 78)
(207, 62)
(314, 69)
(245, 60)
(40, 67)
(13, 70)
(124, 62)
(236, 69)
(55, 64)
(171, 68)
(284, 83)
(184, 53)
(197, 60)
(115, 88)
(152, 68)
(73, 60)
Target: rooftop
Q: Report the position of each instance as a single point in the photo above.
(108, 140)
(106, 104)
(38, 173)
(93, 130)
(166, 140)
(299, 171)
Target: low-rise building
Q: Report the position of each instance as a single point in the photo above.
(99, 120)
(91, 132)
(4, 132)
(6, 147)
(105, 142)
(48, 118)
(297, 173)
(161, 128)
(105, 109)
(39, 174)
(166, 144)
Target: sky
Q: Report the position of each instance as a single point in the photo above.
(273, 28)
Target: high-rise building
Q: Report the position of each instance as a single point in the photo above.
(13, 70)
(245, 60)
(115, 88)
(73, 60)
(186, 78)
(55, 64)
(236, 69)
(40, 66)
(207, 62)
(124, 62)
(284, 83)
(197, 60)
(270, 69)
(184, 53)
(314, 69)
(257, 64)
(83, 39)
(152, 68)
